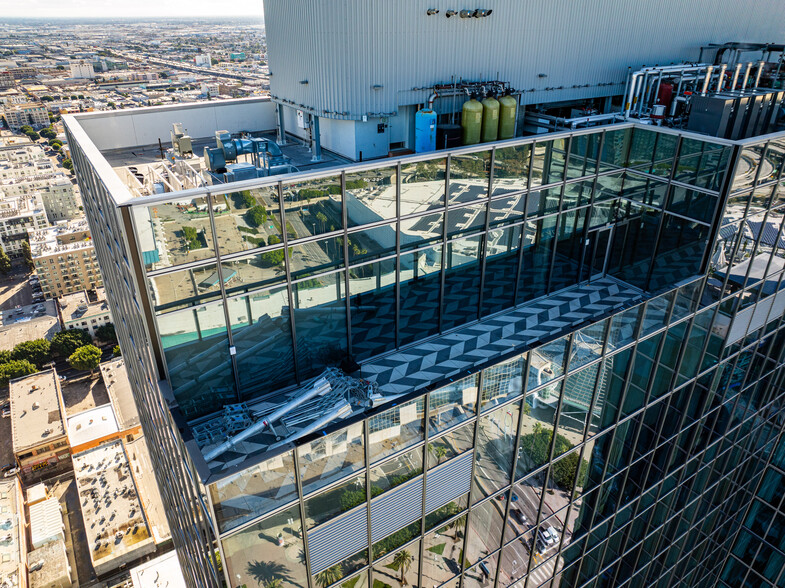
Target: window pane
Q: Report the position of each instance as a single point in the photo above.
(501, 266)
(315, 257)
(587, 345)
(329, 504)
(495, 450)
(469, 219)
(461, 295)
(372, 299)
(485, 529)
(401, 568)
(443, 551)
(247, 219)
(452, 404)
(254, 271)
(469, 176)
(395, 429)
(371, 196)
(502, 382)
(511, 169)
(341, 570)
(262, 336)
(422, 186)
(538, 243)
(312, 207)
(331, 457)
(547, 362)
(577, 193)
(251, 560)
(421, 230)
(253, 491)
(449, 445)
(507, 210)
(536, 434)
(420, 287)
(320, 323)
(184, 288)
(396, 471)
(371, 243)
(578, 392)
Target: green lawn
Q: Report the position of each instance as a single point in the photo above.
(437, 549)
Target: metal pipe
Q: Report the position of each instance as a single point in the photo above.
(721, 80)
(317, 139)
(657, 91)
(736, 71)
(629, 104)
(644, 91)
(746, 76)
(761, 65)
(674, 102)
(431, 99)
(626, 89)
(319, 387)
(706, 80)
(340, 410)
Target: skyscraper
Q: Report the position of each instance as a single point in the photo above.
(560, 354)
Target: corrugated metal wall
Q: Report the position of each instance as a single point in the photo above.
(345, 47)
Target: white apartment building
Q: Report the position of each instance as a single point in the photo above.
(79, 312)
(60, 197)
(203, 60)
(82, 69)
(30, 113)
(17, 215)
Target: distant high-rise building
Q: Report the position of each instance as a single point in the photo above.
(82, 69)
(203, 59)
(550, 360)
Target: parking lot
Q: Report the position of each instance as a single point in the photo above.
(16, 289)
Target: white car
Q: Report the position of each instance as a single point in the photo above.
(11, 473)
(548, 535)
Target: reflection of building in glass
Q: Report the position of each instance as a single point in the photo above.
(568, 358)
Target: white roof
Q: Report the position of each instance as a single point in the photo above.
(36, 493)
(46, 522)
(91, 425)
(160, 572)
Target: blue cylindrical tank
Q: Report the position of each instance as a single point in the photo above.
(424, 130)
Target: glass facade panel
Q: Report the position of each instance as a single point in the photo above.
(469, 176)
(422, 186)
(282, 560)
(322, 507)
(396, 471)
(184, 288)
(502, 382)
(398, 569)
(495, 449)
(312, 207)
(547, 363)
(372, 300)
(247, 219)
(443, 552)
(315, 257)
(449, 445)
(511, 169)
(538, 242)
(485, 529)
(462, 275)
(331, 458)
(395, 429)
(501, 264)
(420, 293)
(371, 196)
(452, 404)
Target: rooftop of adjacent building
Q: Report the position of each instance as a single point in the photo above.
(111, 509)
(78, 306)
(48, 565)
(46, 521)
(20, 206)
(12, 525)
(26, 323)
(118, 386)
(161, 571)
(91, 425)
(63, 237)
(36, 410)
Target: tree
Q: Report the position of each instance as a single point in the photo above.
(85, 358)
(267, 572)
(6, 355)
(402, 561)
(439, 452)
(65, 343)
(106, 333)
(27, 255)
(36, 351)
(256, 215)
(33, 136)
(116, 351)
(5, 261)
(48, 133)
(68, 164)
(329, 576)
(24, 129)
(16, 368)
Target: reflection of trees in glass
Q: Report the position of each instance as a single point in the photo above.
(536, 445)
(439, 452)
(394, 541)
(329, 576)
(270, 574)
(445, 512)
(401, 562)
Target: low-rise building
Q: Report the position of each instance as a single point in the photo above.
(64, 258)
(60, 198)
(18, 215)
(13, 548)
(48, 566)
(78, 311)
(40, 443)
(164, 570)
(82, 69)
(34, 321)
(6, 80)
(19, 115)
(115, 522)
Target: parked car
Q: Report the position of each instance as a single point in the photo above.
(548, 535)
(6, 413)
(11, 473)
(518, 515)
(8, 466)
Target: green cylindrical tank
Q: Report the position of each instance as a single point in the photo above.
(490, 119)
(471, 121)
(507, 108)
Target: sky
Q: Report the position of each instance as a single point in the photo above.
(126, 8)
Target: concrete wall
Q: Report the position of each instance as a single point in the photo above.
(134, 127)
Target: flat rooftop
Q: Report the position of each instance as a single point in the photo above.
(463, 351)
(91, 425)
(12, 524)
(112, 512)
(161, 571)
(48, 565)
(35, 321)
(118, 386)
(36, 410)
(64, 237)
(77, 306)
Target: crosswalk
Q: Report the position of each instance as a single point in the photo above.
(540, 575)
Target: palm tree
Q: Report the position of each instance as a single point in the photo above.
(267, 572)
(274, 583)
(439, 452)
(402, 561)
(329, 576)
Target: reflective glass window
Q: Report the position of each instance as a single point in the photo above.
(421, 230)
(322, 507)
(469, 175)
(644, 190)
(312, 207)
(371, 243)
(511, 169)
(396, 471)
(582, 160)
(400, 568)
(679, 252)
(371, 196)
(496, 434)
(444, 448)
(254, 271)
(443, 552)
(184, 288)
(320, 322)
(173, 233)
(507, 210)
(262, 336)
(539, 419)
(372, 300)
(247, 219)
(307, 259)
(548, 165)
(420, 289)
(746, 170)
(252, 560)
(570, 245)
(615, 147)
(465, 220)
(538, 242)
(395, 429)
(482, 574)
(547, 362)
(577, 193)
(461, 292)
(422, 186)
(623, 327)
(253, 491)
(485, 529)
(587, 345)
(452, 404)
(642, 148)
(502, 382)
(543, 201)
(692, 203)
(577, 401)
(341, 570)
(501, 266)
(331, 457)
(448, 511)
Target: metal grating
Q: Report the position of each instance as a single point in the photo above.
(396, 509)
(448, 481)
(338, 539)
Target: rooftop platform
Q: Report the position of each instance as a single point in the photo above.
(434, 361)
(35, 321)
(36, 410)
(12, 526)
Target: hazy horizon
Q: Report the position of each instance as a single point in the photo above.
(143, 9)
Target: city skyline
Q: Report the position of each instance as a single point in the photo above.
(94, 9)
